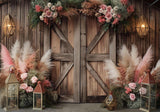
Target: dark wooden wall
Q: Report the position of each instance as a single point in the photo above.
(152, 15)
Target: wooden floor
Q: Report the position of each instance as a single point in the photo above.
(88, 107)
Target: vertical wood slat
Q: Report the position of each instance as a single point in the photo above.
(112, 47)
(83, 60)
(47, 39)
(77, 49)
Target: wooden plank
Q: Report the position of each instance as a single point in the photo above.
(83, 60)
(62, 57)
(62, 37)
(77, 61)
(97, 78)
(112, 47)
(47, 39)
(95, 40)
(62, 76)
(97, 57)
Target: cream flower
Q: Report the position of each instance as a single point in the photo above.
(53, 8)
(41, 18)
(34, 79)
(49, 4)
(23, 86)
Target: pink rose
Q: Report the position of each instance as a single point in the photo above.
(125, 2)
(108, 16)
(38, 8)
(132, 96)
(24, 76)
(115, 21)
(34, 79)
(101, 19)
(142, 90)
(60, 8)
(109, 8)
(132, 85)
(103, 7)
(128, 90)
(23, 86)
(46, 9)
(130, 9)
(49, 13)
(29, 89)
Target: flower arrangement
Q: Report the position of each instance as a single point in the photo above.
(115, 12)
(110, 12)
(28, 70)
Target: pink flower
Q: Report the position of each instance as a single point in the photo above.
(119, 16)
(34, 79)
(109, 8)
(60, 8)
(38, 8)
(130, 9)
(108, 16)
(132, 96)
(46, 83)
(24, 76)
(128, 90)
(132, 85)
(125, 2)
(49, 13)
(115, 21)
(46, 9)
(101, 19)
(142, 90)
(23, 86)
(29, 89)
(103, 7)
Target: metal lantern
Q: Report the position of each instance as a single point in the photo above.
(39, 97)
(8, 26)
(142, 27)
(148, 100)
(12, 90)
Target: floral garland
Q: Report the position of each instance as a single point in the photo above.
(109, 12)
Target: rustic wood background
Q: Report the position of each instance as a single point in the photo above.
(43, 38)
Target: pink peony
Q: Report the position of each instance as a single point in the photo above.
(128, 90)
(125, 2)
(132, 85)
(142, 90)
(60, 8)
(103, 7)
(46, 10)
(49, 13)
(29, 89)
(115, 21)
(109, 8)
(132, 96)
(24, 76)
(130, 9)
(108, 16)
(34, 79)
(23, 86)
(38, 8)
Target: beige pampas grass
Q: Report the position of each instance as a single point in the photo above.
(15, 51)
(156, 69)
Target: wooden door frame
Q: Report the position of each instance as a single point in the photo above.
(80, 56)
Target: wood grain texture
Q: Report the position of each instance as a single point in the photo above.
(62, 57)
(97, 57)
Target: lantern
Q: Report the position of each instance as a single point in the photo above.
(39, 97)
(8, 26)
(142, 27)
(12, 90)
(148, 93)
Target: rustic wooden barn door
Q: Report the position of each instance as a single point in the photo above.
(79, 48)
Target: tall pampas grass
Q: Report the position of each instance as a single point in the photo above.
(124, 57)
(112, 73)
(6, 58)
(156, 69)
(26, 50)
(144, 64)
(15, 51)
(22, 66)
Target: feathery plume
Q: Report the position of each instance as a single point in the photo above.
(15, 51)
(144, 63)
(156, 69)
(22, 66)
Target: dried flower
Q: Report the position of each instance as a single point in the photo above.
(34, 79)
(24, 76)
(142, 90)
(29, 89)
(24, 86)
(132, 96)
(132, 85)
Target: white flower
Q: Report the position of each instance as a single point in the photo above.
(49, 4)
(55, 14)
(114, 15)
(41, 18)
(108, 20)
(104, 12)
(100, 11)
(115, 8)
(53, 8)
(43, 14)
(58, 3)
